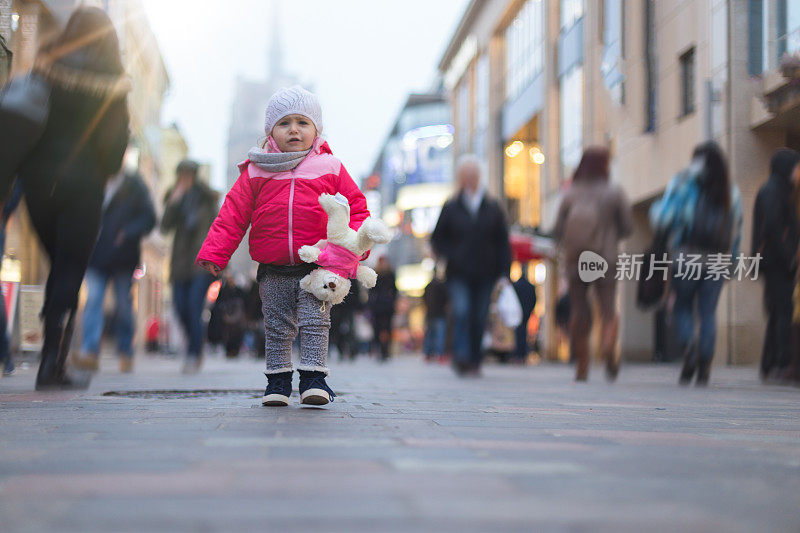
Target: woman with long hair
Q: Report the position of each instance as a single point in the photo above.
(701, 212)
(594, 216)
(63, 175)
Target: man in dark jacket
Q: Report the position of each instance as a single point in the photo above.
(128, 216)
(472, 237)
(775, 237)
(189, 209)
(526, 292)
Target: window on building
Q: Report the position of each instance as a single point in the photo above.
(571, 11)
(571, 117)
(788, 21)
(687, 83)
(773, 30)
(463, 116)
(613, 48)
(524, 48)
(481, 105)
(755, 37)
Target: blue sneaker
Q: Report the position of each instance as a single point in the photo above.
(313, 389)
(279, 388)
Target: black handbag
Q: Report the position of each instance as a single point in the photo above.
(24, 109)
(650, 292)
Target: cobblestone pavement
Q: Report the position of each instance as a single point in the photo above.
(405, 447)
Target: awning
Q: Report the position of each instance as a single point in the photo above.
(526, 247)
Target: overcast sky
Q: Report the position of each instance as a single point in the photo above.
(362, 56)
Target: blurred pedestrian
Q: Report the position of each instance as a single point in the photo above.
(278, 194)
(471, 235)
(776, 237)
(343, 335)
(701, 211)
(562, 318)
(128, 216)
(230, 306)
(189, 209)
(382, 299)
(255, 319)
(10, 205)
(526, 293)
(64, 137)
(594, 216)
(436, 302)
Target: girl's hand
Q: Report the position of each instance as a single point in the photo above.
(211, 267)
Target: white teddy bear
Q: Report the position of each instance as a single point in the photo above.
(338, 256)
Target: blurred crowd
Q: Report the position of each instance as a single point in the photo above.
(65, 129)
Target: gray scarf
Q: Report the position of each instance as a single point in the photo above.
(276, 162)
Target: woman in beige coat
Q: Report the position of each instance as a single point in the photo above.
(594, 216)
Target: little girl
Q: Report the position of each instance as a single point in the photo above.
(276, 195)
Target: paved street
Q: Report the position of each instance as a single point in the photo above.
(405, 447)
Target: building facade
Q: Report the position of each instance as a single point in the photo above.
(533, 82)
(411, 178)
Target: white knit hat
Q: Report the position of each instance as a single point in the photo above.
(292, 101)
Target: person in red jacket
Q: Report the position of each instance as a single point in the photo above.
(276, 196)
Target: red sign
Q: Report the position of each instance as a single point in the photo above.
(525, 248)
(10, 294)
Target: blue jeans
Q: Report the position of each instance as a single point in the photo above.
(706, 292)
(469, 303)
(93, 311)
(189, 297)
(435, 336)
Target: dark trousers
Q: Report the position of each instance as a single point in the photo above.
(189, 298)
(66, 219)
(342, 335)
(778, 338)
(469, 303)
(521, 339)
(382, 324)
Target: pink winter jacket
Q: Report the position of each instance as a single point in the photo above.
(281, 208)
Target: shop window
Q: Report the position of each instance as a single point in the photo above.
(571, 117)
(524, 48)
(571, 11)
(613, 48)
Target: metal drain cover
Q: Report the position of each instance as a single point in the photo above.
(184, 394)
(190, 394)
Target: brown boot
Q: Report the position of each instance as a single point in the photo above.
(126, 365)
(82, 361)
(609, 341)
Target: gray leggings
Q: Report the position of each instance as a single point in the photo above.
(287, 311)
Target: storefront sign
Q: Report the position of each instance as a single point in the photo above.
(31, 299)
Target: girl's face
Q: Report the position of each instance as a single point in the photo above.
(294, 133)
